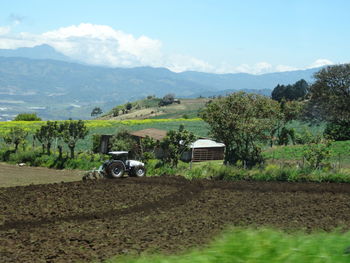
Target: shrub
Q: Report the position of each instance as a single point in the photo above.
(28, 157)
(27, 117)
(338, 131)
(317, 154)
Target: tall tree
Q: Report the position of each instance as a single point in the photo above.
(15, 136)
(175, 143)
(71, 132)
(330, 94)
(330, 101)
(241, 121)
(290, 92)
(47, 134)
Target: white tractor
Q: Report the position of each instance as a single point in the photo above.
(117, 167)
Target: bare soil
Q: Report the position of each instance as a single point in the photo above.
(95, 220)
(13, 175)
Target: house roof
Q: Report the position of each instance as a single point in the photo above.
(151, 132)
(206, 143)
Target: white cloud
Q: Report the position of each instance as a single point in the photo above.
(4, 30)
(283, 68)
(104, 45)
(257, 68)
(320, 63)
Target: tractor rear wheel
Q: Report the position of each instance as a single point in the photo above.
(115, 169)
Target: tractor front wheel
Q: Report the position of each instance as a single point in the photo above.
(139, 171)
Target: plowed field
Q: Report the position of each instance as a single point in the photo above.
(94, 220)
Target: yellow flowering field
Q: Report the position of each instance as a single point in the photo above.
(31, 126)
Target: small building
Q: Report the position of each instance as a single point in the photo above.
(204, 150)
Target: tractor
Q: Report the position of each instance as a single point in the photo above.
(117, 167)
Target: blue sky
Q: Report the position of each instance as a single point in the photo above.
(204, 35)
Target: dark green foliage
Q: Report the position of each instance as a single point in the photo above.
(72, 131)
(242, 122)
(167, 100)
(96, 143)
(175, 144)
(317, 154)
(128, 106)
(338, 130)
(115, 112)
(290, 92)
(123, 141)
(330, 95)
(285, 135)
(27, 117)
(47, 134)
(289, 111)
(96, 111)
(15, 136)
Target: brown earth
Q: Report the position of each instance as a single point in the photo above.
(14, 175)
(95, 220)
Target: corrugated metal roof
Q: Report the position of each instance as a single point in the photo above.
(206, 143)
(151, 132)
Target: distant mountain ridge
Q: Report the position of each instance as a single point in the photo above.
(41, 81)
(37, 52)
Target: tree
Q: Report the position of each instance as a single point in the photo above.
(27, 117)
(330, 94)
(96, 111)
(47, 134)
(123, 141)
(290, 92)
(241, 121)
(167, 99)
(329, 99)
(72, 131)
(128, 106)
(289, 111)
(175, 143)
(15, 136)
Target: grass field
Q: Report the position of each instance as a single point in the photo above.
(261, 245)
(340, 152)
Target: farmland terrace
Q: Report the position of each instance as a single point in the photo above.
(95, 220)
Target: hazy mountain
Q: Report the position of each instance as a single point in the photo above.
(37, 52)
(28, 84)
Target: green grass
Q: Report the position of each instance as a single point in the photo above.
(340, 152)
(260, 245)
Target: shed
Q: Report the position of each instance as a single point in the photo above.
(205, 150)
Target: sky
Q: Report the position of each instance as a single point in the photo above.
(220, 36)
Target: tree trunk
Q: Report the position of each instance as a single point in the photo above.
(48, 147)
(71, 152)
(16, 147)
(59, 152)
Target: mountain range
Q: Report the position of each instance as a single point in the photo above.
(44, 80)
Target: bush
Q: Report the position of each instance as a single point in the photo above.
(317, 154)
(28, 157)
(338, 131)
(27, 117)
(305, 136)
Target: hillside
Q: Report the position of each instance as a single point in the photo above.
(149, 109)
(31, 81)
